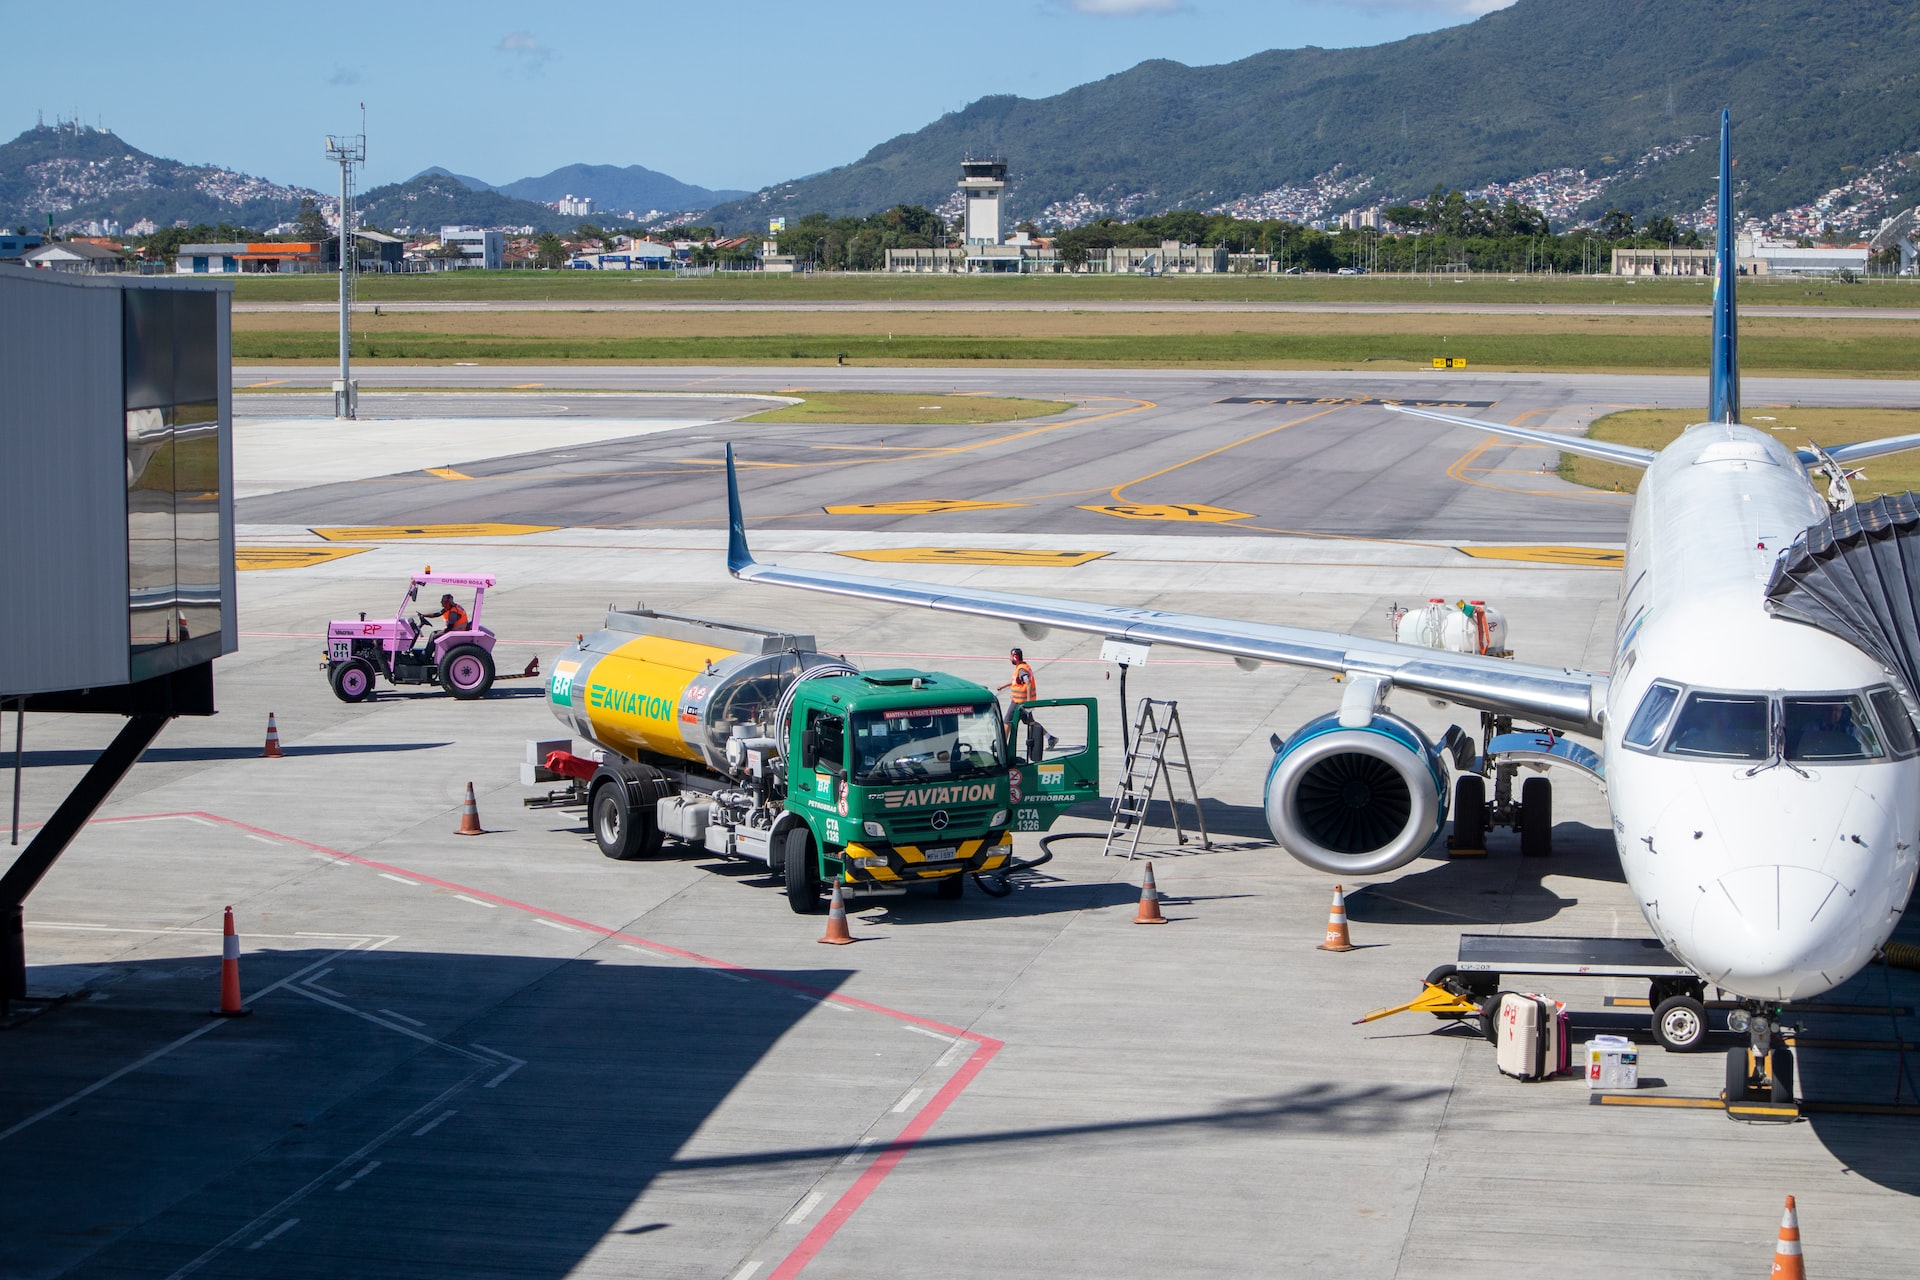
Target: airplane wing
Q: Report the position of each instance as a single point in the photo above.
(1861, 450)
(1625, 455)
(1559, 697)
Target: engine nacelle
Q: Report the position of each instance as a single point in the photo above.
(1356, 801)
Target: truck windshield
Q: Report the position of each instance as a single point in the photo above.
(934, 742)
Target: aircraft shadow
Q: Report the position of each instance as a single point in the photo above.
(1502, 888)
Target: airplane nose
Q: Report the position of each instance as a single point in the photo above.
(1775, 932)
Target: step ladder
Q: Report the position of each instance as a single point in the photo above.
(1155, 729)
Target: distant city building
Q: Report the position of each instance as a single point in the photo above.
(943, 261)
(636, 255)
(1357, 219)
(983, 184)
(1774, 258)
(572, 206)
(1663, 262)
(75, 255)
(268, 258)
(485, 249)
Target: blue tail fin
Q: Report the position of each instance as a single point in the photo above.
(1723, 394)
(738, 557)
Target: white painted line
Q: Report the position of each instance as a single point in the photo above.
(324, 857)
(388, 875)
(859, 1149)
(280, 1230)
(323, 973)
(202, 821)
(491, 906)
(433, 1124)
(959, 1047)
(730, 977)
(348, 1184)
(746, 1272)
(924, 1032)
(276, 844)
(401, 1017)
(805, 1207)
(554, 924)
(337, 995)
(505, 1057)
(907, 1100)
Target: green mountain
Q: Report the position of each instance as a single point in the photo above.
(435, 199)
(634, 187)
(1819, 92)
(77, 173)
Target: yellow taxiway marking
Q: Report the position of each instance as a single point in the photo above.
(249, 558)
(1597, 557)
(916, 507)
(976, 555)
(273, 382)
(1655, 1100)
(1196, 511)
(526, 386)
(393, 532)
(1118, 489)
(448, 473)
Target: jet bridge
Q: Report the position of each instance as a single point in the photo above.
(1856, 575)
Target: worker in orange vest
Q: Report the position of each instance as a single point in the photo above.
(1023, 689)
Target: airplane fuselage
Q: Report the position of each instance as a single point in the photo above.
(1766, 805)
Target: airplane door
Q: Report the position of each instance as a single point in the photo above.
(1054, 747)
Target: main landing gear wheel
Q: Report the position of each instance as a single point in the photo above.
(803, 872)
(352, 680)
(1680, 1024)
(1780, 1086)
(1469, 814)
(1536, 818)
(467, 672)
(1739, 1083)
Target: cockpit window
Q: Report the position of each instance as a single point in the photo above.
(1825, 727)
(1723, 726)
(1651, 718)
(1894, 722)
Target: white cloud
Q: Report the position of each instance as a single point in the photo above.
(522, 45)
(1125, 8)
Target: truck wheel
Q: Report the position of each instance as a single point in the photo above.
(1536, 818)
(1469, 813)
(803, 872)
(468, 671)
(951, 888)
(352, 680)
(1680, 1024)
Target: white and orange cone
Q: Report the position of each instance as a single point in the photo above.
(837, 934)
(1337, 937)
(1149, 911)
(272, 750)
(230, 1006)
(1787, 1263)
(470, 816)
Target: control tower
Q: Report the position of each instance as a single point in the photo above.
(982, 183)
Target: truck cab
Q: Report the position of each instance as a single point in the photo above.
(903, 777)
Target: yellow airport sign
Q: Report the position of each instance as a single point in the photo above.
(1197, 512)
(1024, 559)
(916, 507)
(1449, 362)
(250, 558)
(1589, 557)
(398, 532)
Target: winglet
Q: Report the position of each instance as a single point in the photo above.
(738, 557)
(1723, 393)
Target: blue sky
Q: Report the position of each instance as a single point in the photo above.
(765, 91)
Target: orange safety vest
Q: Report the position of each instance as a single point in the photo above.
(1024, 689)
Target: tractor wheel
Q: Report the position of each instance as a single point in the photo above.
(467, 672)
(1536, 818)
(803, 872)
(352, 680)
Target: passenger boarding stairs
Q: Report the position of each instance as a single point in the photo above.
(1155, 729)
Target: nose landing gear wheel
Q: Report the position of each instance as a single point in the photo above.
(1680, 1024)
(1739, 1082)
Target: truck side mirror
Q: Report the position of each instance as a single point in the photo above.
(809, 748)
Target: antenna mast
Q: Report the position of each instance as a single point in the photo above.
(347, 152)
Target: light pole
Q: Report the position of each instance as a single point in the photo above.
(347, 152)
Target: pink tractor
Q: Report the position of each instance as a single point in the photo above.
(458, 657)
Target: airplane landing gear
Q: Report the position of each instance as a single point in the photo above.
(1760, 1073)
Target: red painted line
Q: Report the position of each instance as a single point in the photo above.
(890, 1155)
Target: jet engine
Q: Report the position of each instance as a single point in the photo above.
(1356, 800)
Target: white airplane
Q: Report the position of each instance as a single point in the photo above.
(1758, 746)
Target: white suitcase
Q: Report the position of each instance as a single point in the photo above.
(1525, 1048)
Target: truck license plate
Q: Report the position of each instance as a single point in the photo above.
(945, 853)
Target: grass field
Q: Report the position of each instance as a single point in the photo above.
(575, 286)
(1657, 428)
(1847, 343)
(918, 409)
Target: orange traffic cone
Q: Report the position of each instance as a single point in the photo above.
(272, 750)
(1787, 1263)
(470, 816)
(230, 974)
(1337, 937)
(837, 934)
(1149, 912)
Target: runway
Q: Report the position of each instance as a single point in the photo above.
(1188, 452)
